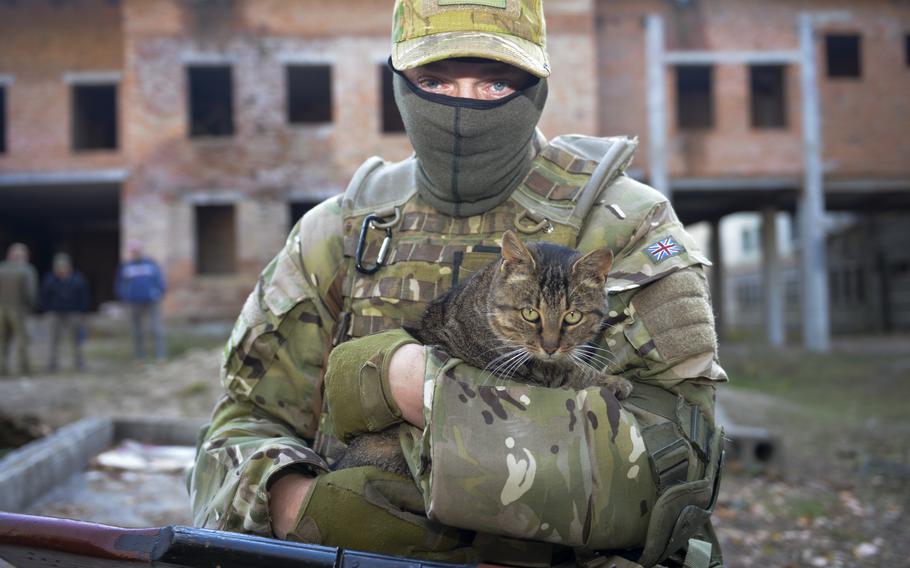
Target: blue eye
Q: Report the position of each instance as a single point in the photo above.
(500, 86)
(430, 84)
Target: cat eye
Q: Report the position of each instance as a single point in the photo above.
(572, 317)
(530, 314)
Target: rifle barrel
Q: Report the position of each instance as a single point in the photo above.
(27, 540)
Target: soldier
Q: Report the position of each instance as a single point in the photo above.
(18, 296)
(512, 474)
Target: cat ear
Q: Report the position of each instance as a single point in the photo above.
(597, 262)
(513, 250)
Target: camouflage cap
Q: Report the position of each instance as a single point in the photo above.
(511, 31)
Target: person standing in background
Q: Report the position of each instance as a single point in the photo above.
(18, 295)
(140, 284)
(64, 294)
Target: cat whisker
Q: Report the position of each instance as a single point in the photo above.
(495, 362)
(589, 358)
(505, 371)
(596, 356)
(584, 364)
(594, 347)
(599, 352)
(503, 362)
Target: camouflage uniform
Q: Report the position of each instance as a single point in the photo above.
(563, 467)
(534, 471)
(18, 295)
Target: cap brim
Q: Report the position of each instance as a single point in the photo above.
(506, 48)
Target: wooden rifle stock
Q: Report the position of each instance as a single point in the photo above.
(27, 541)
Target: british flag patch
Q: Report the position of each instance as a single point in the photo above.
(664, 249)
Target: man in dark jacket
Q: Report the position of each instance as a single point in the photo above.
(18, 295)
(140, 284)
(64, 295)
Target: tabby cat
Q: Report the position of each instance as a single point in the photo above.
(530, 316)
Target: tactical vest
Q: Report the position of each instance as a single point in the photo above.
(419, 253)
(408, 253)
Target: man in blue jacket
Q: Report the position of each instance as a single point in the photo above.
(140, 284)
(65, 296)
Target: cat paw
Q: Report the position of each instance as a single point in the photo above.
(620, 387)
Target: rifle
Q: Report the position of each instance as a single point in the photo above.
(27, 541)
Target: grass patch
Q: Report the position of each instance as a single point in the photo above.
(195, 389)
(843, 386)
(808, 508)
(180, 341)
(118, 348)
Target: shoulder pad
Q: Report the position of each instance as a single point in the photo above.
(379, 185)
(580, 167)
(579, 154)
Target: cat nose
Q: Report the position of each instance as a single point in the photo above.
(549, 348)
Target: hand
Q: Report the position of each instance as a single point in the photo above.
(365, 508)
(357, 391)
(286, 497)
(406, 373)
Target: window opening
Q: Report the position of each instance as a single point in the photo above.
(768, 92)
(391, 118)
(842, 52)
(215, 239)
(309, 94)
(94, 118)
(694, 97)
(211, 101)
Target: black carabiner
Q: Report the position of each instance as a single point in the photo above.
(361, 246)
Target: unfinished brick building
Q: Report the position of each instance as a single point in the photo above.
(205, 127)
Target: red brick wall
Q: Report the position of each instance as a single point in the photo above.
(864, 120)
(267, 160)
(40, 41)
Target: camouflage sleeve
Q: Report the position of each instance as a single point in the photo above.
(271, 372)
(660, 325)
(572, 467)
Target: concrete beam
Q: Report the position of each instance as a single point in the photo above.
(717, 278)
(87, 177)
(92, 77)
(770, 183)
(772, 288)
(657, 104)
(731, 57)
(811, 209)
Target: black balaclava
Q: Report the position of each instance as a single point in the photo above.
(471, 153)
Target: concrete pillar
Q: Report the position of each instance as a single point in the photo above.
(656, 104)
(773, 304)
(717, 278)
(813, 262)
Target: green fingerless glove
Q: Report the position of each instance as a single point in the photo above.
(357, 384)
(366, 508)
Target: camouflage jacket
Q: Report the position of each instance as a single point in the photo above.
(550, 465)
(18, 287)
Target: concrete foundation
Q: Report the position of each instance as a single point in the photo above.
(31, 471)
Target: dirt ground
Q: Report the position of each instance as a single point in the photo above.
(840, 500)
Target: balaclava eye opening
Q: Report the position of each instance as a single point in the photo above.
(471, 154)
